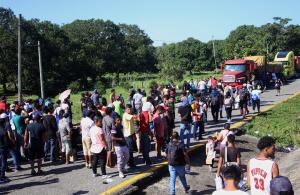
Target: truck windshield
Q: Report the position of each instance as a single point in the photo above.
(234, 67)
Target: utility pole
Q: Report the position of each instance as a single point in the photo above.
(213, 41)
(19, 61)
(41, 70)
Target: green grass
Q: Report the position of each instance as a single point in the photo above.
(282, 122)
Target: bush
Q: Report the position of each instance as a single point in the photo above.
(74, 86)
(125, 85)
(100, 86)
(153, 84)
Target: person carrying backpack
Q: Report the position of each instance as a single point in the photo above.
(215, 102)
(244, 96)
(177, 159)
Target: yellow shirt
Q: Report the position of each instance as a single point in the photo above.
(128, 124)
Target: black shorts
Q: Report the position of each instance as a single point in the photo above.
(243, 104)
(35, 151)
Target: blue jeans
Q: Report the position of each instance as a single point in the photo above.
(13, 155)
(198, 125)
(130, 143)
(51, 143)
(3, 161)
(174, 172)
(145, 147)
(184, 127)
(19, 146)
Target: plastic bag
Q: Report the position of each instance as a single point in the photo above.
(219, 182)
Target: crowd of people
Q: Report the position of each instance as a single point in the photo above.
(42, 130)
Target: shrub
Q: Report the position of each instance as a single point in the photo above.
(125, 85)
(74, 86)
(153, 84)
(100, 86)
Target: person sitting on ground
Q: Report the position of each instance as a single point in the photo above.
(232, 176)
(229, 155)
(177, 159)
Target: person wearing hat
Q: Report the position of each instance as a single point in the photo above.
(20, 126)
(35, 137)
(4, 147)
(281, 185)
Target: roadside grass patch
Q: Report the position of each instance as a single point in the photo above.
(281, 122)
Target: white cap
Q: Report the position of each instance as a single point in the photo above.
(3, 116)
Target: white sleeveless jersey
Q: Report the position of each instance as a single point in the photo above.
(260, 176)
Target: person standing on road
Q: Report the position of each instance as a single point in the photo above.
(86, 124)
(35, 137)
(51, 127)
(255, 96)
(228, 107)
(278, 84)
(4, 147)
(261, 169)
(107, 125)
(243, 104)
(99, 147)
(120, 146)
(215, 99)
(223, 135)
(65, 136)
(145, 118)
(232, 176)
(177, 159)
(129, 132)
(230, 155)
(185, 113)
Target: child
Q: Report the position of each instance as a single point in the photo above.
(210, 152)
(120, 146)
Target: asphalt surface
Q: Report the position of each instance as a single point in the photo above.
(76, 179)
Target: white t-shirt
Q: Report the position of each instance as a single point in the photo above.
(148, 107)
(95, 133)
(211, 149)
(86, 124)
(256, 92)
(65, 107)
(137, 98)
(224, 192)
(202, 85)
(225, 134)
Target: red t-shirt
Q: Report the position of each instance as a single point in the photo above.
(3, 106)
(144, 122)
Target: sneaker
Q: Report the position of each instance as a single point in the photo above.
(87, 165)
(95, 175)
(33, 172)
(104, 176)
(121, 175)
(187, 189)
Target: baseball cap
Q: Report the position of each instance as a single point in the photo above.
(281, 184)
(3, 116)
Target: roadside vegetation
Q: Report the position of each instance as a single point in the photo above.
(282, 122)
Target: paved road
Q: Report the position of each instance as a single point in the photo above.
(76, 179)
(202, 181)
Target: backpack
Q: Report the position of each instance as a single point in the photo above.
(215, 100)
(243, 95)
(255, 97)
(175, 154)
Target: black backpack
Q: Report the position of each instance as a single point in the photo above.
(175, 154)
(215, 99)
(243, 95)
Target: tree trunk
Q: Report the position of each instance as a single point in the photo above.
(4, 87)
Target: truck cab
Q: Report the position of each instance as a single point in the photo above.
(287, 60)
(237, 72)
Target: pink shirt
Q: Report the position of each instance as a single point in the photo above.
(159, 125)
(95, 134)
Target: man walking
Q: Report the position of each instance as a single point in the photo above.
(177, 159)
(185, 112)
(215, 102)
(261, 169)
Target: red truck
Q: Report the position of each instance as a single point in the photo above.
(237, 72)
